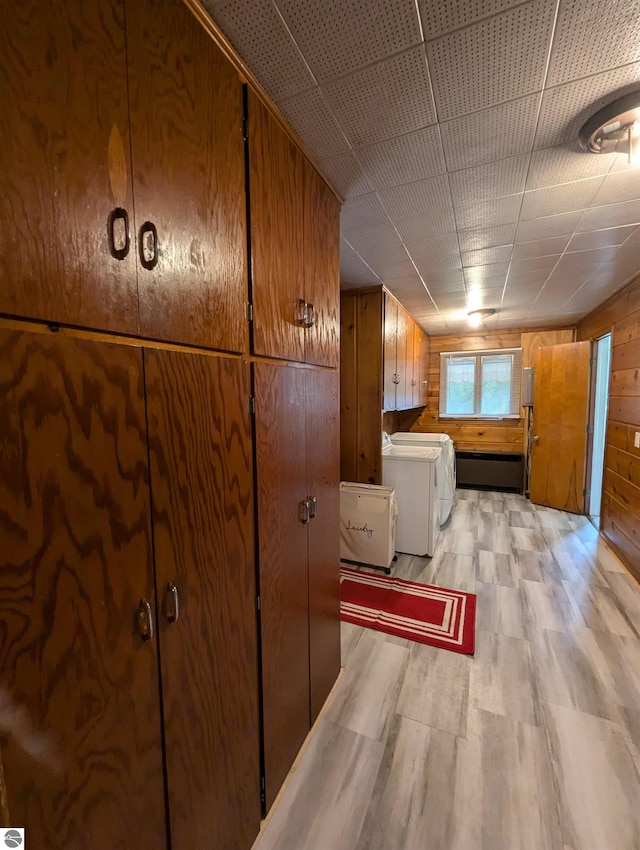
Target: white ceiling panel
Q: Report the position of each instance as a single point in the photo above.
(483, 64)
(494, 177)
(384, 100)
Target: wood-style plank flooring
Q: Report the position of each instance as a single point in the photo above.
(533, 743)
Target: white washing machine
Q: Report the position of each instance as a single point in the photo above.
(412, 472)
(447, 465)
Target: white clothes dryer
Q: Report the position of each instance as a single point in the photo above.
(447, 464)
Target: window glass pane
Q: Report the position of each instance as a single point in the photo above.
(460, 385)
(495, 389)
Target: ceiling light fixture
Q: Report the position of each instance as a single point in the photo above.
(476, 317)
(614, 128)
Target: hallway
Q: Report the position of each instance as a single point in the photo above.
(533, 743)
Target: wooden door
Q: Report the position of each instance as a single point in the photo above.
(323, 469)
(321, 269)
(201, 480)
(404, 360)
(281, 471)
(276, 202)
(420, 366)
(560, 417)
(64, 157)
(389, 399)
(81, 732)
(188, 160)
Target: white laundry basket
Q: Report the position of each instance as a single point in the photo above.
(368, 516)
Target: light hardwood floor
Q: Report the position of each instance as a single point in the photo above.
(533, 743)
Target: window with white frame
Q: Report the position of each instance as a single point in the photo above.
(480, 384)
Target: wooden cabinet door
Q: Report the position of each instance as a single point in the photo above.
(323, 465)
(281, 472)
(420, 366)
(276, 210)
(81, 742)
(390, 362)
(404, 360)
(188, 161)
(321, 269)
(201, 480)
(64, 157)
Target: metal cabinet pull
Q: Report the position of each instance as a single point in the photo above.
(305, 512)
(313, 508)
(171, 603)
(396, 378)
(311, 316)
(118, 233)
(144, 620)
(301, 312)
(148, 245)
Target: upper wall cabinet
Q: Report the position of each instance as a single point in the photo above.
(95, 114)
(294, 248)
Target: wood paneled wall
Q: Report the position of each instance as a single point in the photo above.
(620, 513)
(506, 435)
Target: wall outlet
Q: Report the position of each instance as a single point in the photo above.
(636, 440)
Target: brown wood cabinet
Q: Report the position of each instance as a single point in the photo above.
(87, 613)
(295, 248)
(94, 113)
(298, 516)
(383, 366)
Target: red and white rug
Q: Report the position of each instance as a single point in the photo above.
(419, 612)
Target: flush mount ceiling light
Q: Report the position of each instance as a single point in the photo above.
(615, 128)
(476, 317)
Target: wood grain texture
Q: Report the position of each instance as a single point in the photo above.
(404, 359)
(276, 207)
(188, 159)
(81, 734)
(201, 477)
(505, 435)
(620, 514)
(323, 439)
(390, 353)
(420, 367)
(561, 412)
(370, 387)
(281, 472)
(63, 93)
(348, 390)
(321, 269)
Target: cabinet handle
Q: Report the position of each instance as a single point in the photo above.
(311, 316)
(313, 508)
(413, 382)
(118, 233)
(305, 512)
(171, 603)
(301, 312)
(396, 378)
(148, 245)
(144, 620)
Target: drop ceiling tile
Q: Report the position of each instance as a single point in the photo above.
(346, 175)
(414, 231)
(455, 301)
(374, 235)
(531, 281)
(474, 139)
(613, 215)
(404, 159)
(484, 256)
(564, 164)
(353, 271)
(259, 35)
(533, 264)
(623, 186)
(311, 119)
(547, 226)
(402, 273)
(491, 180)
(478, 275)
(600, 238)
(540, 248)
(565, 108)
(594, 36)
(441, 16)
(474, 240)
(388, 263)
(384, 100)
(557, 199)
(582, 263)
(424, 197)
(440, 285)
(338, 36)
(484, 214)
(362, 211)
(495, 60)
(436, 249)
